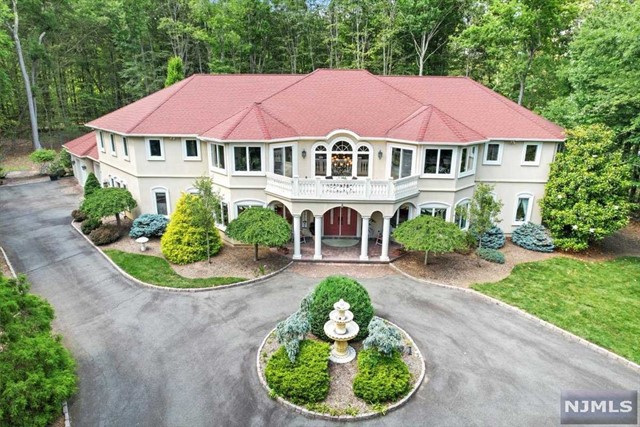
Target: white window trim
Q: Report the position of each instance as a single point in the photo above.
(467, 201)
(294, 158)
(101, 141)
(488, 162)
(471, 171)
(212, 167)
(221, 225)
(246, 202)
(312, 160)
(112, 145)
(232, 149)
(148, 148)
(164, 190)
(437, 205)
(355, 160)
(536, 162)
(454, 162)
(390, 148)
(125, 142)
(186, 158)
(531, 198)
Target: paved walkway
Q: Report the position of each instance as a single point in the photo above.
(153, 358)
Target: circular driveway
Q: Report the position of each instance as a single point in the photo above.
(154, 358)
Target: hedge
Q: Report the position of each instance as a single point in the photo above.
(381, 378)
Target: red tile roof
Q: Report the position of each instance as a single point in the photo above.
(265, 107)
(83, 146)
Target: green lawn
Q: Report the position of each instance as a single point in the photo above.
(157, 271)
(599, 301)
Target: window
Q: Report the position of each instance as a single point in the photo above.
(247, 159)
(283, 161)
(524, 206)
(435, 209)
(320, 157)
(531, 154)
(401, 162)
(492, 153)
(341, 159)
(438, 161)
(161, 200)
(217, 156)
(362, 166)
(155, 149)
(467, 161)
(101, 141)
(113, 144)
(246, 204)
(462, 214)
(222, 217)
(191, 149)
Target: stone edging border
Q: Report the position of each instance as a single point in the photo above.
(65, 409)
(184, 290)
(601, 350)
(346, 418)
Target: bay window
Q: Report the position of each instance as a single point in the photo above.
(247, 159)
(217, 156)
(467, 161)
(283, 161)
(437, 161)
(401, 162)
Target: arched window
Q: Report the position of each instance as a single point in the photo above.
(462, 214)
(160, 196)
(364, 158)
(435, 209)
(320, 156)
(524, 207)
(243, 205)
(342, 159)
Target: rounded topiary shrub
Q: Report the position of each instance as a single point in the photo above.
(381, 378)
(105, 234)
(304, 381)
(78, 215)
(90, 224)
(330, 291)
(491, 255)
(533, 237)
(149, 225)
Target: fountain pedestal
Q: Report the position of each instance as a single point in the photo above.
(341, 328)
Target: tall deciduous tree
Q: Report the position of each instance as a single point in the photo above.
(260, 227)
(429, 234)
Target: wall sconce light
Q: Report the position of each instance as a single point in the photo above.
(84, 167)
(304, 154)
(380, 154)
(73, 162)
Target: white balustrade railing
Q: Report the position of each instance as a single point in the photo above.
(342, 189)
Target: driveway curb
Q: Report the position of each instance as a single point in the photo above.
(345, 418)
(184, 290)
(609, 354)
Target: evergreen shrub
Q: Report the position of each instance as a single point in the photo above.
(78, 215)
(491, 255)
(383, 337)
(304, 381)
(149, 225)
(330, 291)
(90, 224)
(105, 234)
(381, 378)
(91, 184)
(492, 238)
(533, 237)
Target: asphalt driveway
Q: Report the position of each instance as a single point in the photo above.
(153, 358)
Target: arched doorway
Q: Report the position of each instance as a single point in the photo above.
(341, 222)
(282, 210)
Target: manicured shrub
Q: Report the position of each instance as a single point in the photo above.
(430, 234)
(533, 237)
(293, 329)
(381, 378)
(90, 224)
(383, 337)
(330, 291)
(260, 227)
(184, 241)
(78, 215)
(36, 371)
(91, 184)
(491, 255)
(105, 234)
(108, 201)
(304, 381)
(493, 238)
(149, 225)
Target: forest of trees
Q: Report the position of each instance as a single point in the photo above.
(574, 61)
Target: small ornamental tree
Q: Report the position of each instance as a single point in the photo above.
(484, 210)
(429, 234)
(91, 184)
(185, 241)
(175, 71)
(586, 198)
(260, 226)
(108, 201)
(205, 212)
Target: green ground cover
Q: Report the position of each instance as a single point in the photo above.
(157, 271)
(599, 301)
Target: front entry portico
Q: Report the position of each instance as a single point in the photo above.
(341, 222)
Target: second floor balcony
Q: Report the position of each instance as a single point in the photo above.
(346, 189)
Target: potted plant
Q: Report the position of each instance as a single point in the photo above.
(55, 170)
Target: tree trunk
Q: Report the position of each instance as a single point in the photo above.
(523, 77)
(255, 252)
(426, 254)
(118, 219)
(208, 246)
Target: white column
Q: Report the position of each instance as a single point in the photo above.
(386, 228)
(364, 249)
(296, 237)
(317, 239)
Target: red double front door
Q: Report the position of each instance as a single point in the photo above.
(340, 222)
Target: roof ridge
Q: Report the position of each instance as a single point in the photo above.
(186, 82)
(509, 103)
(276, 118)
(237, 122)
(425, 123)
(261, 122)
(403, 121)
(288, 86)
(447, 118)
(396, 89)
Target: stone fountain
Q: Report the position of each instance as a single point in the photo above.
(341, 328)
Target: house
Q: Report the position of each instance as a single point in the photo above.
(84, 156)
(341, 153)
